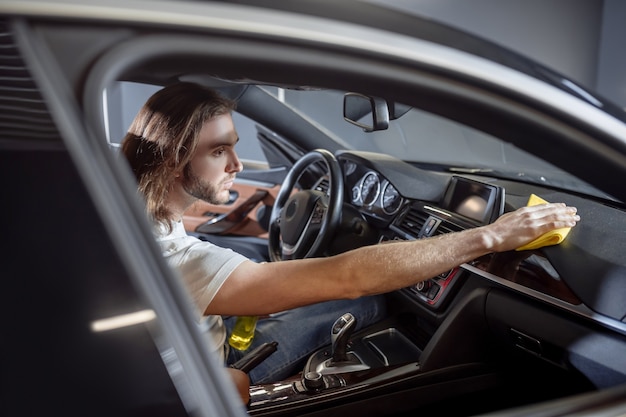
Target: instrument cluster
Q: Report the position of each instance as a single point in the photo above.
(376, 194)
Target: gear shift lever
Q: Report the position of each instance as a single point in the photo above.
(340, 335)
(341, 361)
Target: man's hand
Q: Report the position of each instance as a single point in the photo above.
(242, 383)
(525, 224)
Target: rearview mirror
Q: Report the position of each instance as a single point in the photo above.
(396, 110)
(369, 113)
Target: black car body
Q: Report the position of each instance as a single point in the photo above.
(543, 330)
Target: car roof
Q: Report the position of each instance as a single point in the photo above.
(385, 17)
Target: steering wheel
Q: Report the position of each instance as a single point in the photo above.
(303, 223)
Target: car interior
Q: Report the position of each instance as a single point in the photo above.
(506, 330)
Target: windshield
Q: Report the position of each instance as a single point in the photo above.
(424, 138)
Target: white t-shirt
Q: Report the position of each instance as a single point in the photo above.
(204, 267)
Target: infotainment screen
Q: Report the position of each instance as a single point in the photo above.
(473, 199)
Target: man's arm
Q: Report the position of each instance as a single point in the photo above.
(256, 289)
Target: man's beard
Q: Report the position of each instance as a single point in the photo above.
(203, 190)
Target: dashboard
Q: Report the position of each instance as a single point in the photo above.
(478, 201)
(403, 202)
(460, 203)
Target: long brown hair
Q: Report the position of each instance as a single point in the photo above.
(163, 137)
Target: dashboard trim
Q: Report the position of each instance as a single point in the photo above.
(580, 310)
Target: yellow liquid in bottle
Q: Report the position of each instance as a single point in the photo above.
(243, 332)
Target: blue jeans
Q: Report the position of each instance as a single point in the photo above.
(300, 332)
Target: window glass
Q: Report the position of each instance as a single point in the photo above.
(124, 100)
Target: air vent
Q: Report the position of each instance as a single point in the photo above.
(413, 221)
(23, 112)
(446, 228)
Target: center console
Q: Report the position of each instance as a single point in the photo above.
(383, 368)
(380, 353)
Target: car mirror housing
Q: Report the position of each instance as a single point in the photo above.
(369, 113)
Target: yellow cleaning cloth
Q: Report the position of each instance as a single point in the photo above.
(554, 237)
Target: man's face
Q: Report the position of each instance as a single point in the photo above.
(212, 169)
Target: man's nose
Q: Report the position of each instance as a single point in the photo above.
(235, 164)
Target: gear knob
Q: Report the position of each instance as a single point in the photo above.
(340, 335)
